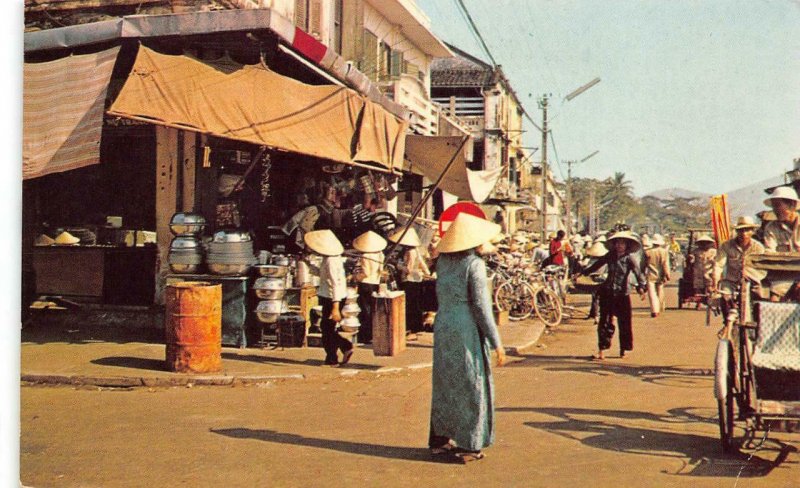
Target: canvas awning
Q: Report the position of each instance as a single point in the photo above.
(63, 103)
(251, 103)
(429, 155)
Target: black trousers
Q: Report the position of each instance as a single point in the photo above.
(618, 306)
(332, 342)
(413, 292)
(366, 304)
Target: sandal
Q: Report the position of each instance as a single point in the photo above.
(443, 449)
(467, 457)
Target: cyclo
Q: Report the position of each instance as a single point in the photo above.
(757, 364)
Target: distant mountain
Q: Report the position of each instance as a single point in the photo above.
(672, 193)
(749, 200)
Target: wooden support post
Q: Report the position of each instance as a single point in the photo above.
(166, 195)
(189, 170)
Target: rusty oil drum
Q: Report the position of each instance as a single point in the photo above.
(193, 327)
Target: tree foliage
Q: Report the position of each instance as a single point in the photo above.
(616, 203)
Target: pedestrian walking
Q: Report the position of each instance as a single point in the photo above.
(657, 272)
(412, 271)
(615, 291)
(332, 293)
(368, 276)
(595, 252)
(462, 399)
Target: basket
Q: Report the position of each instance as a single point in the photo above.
(291, 332)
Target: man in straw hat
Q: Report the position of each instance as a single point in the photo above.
(413, 270)
(462, 400)
(729, 263)
(368, 276)
(332, 293)
(615, 291)
(783, 234)
(702, 262)
(657, 272)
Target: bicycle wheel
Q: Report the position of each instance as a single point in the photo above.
(517, 299)
(547, 306)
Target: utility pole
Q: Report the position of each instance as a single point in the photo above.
(543, 106)
(569, 191)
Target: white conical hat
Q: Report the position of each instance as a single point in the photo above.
(66, 238)
(369, 242)
(658, 240)
(410, 239)
(597, 250)
(633, 241)
(323, 242)
(467, 232)
(44, 240)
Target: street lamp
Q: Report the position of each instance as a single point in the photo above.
(543, 104)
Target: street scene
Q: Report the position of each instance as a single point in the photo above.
(393, 242)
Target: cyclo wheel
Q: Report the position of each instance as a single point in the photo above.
(547, 306)
(723, 390)
(517, 299)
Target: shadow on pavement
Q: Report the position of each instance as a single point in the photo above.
(375, 450)
(659, 375)
(131, 362)
(353, 364)
(602, 429)
(75, 333)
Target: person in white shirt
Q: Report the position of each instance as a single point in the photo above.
(368, 276)
(332, 293)
(413, 271)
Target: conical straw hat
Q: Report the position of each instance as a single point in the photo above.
(411, 239)
(597, 250)
(467, 232)
(369, 242)
(66, 238)
(633, 243)
(44, 240)
(323, 242)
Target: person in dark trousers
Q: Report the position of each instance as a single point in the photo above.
(413, 271)
(332, 293)
(615, 291)
(368, 277)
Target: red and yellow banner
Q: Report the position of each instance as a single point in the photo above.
(720, 218)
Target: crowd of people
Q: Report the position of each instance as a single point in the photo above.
(620, 262)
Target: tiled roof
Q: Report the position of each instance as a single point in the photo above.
(461, 70)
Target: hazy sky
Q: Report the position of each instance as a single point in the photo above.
(703, 94)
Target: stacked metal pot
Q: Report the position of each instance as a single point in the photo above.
(230, 253)
(186, 250)
(270, 288)
(350, 322)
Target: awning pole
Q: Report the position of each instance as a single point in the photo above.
(427, 196)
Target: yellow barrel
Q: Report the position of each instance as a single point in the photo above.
(193, 326)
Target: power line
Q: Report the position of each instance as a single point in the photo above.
(477, 32)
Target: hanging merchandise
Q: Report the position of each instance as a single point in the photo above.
(266, 166)
(227, 215)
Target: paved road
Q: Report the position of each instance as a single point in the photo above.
(563, 420)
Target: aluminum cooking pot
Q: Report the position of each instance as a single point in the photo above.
(269, 283)
(185, 223)
(232, 235)
(185, 242)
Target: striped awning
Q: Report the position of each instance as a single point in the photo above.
(63, 104)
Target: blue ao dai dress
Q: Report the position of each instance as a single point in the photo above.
(462, 404)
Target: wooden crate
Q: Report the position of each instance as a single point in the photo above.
(389, 325)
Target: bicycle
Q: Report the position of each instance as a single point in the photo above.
(513, 294)
(547, 304)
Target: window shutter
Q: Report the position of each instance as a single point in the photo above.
(397, 64)
(300, 14)
(369, 65)
(315, 18)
